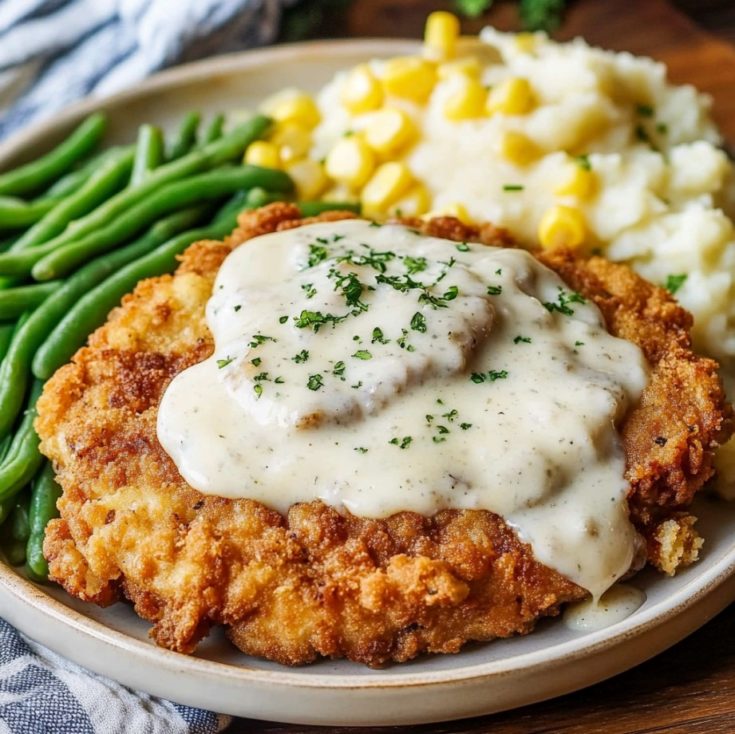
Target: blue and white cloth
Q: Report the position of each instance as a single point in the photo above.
(53, 52)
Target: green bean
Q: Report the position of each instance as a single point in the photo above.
(315, 208)
(148, 153)
(186, 136)
(112, 175)
(23, 459)
(44, 496)
(15, 370)
(204, 187)
(6, 334)
(16, 213)
(16, 531)
(39, 173)
(46, 360)
(214, 129)
(226, 149)
(91, 310)
(16, 301)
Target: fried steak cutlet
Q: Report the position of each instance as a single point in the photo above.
(318, 582)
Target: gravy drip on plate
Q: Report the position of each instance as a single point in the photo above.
(380, 370)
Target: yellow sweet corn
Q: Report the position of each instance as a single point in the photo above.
(413, 203)
(262, 153)
(389, 182)
(562, 226)
(295, 107)
(580, 183)
(292, 139)
(389, 130)
(466, 66)
(517, 148)
(512, 97)
(309, 177)
(340, 192)
(525, 42)
(361, 91)
(457, 210)
(410, 77)
(467, 102)
(441, 34)
(351, 161)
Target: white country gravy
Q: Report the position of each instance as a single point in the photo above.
(380, 370)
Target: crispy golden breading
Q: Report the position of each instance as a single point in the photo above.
(318, 582)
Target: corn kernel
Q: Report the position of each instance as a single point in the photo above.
(525, 42)
(361, 91)
(409, 77)
(441, 34)
(466, 66)
(293, 141)
(518, 148)
(389, 181)
(512, 97)
(351, 161)
(579, 182)
(389, 130)
(295, 107)
(456, 210)
(467, 102)
(340, 193)
(309, 178)
(262, 153)
(413, 203)
(562, 226)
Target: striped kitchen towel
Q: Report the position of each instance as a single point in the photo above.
(53, 52)
(41, 693)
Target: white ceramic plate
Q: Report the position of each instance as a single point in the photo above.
(482, 678)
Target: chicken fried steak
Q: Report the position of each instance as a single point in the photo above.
(315, 581)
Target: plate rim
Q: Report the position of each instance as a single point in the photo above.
(16, 589)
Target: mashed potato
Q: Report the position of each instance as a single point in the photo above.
(661, 198)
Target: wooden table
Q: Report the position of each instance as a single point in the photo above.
(690, 689)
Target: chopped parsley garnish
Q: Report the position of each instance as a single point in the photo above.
(451, 415)
(465, 426)
(418, 322)
(414, 264)
(316, 319)
(451, 293)
(237, 308)
(522, 340)
(261, 377)
(256, 361)
(339, 369)
(279, 380)
(361, 449)
(513, 187)
(583, 161)
(362, 354)
(258, 390)
(317, 254)
(401, 341)
(378, 336)
(283, 319)
(494, 290)
(259, 339)
(301, 357)
(224, 362)
(499, 271)
(309, 290)
(351, 288)
(674, 282)
(561, 305)
(578, 344)
(402, 443)
(644, 110)
(662, 128)
(315, 381)
(491, 376)
(463, 247)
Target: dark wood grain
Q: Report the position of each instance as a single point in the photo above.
(690, 689)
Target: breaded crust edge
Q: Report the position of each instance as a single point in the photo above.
(316, 582)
